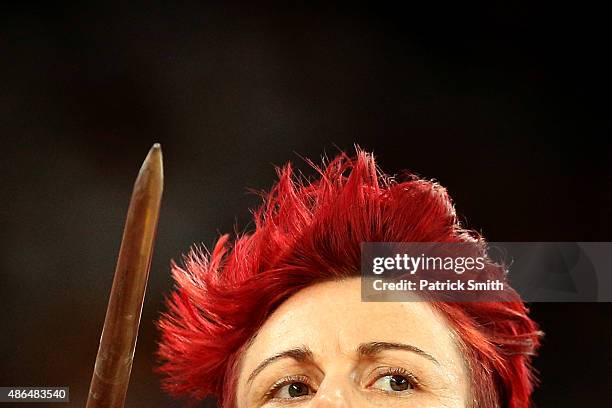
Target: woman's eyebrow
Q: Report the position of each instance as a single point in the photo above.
(375, 347)
(298, 354)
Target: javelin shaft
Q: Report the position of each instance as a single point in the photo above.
(118, 341)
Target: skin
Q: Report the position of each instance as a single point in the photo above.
(323, 347)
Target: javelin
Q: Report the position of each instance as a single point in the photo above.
(113, 365)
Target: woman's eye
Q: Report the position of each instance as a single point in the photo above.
(393, 383)
(293, 390)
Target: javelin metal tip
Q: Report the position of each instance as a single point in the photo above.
(152, 169)
(155, 153)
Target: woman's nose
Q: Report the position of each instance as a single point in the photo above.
(336, 393)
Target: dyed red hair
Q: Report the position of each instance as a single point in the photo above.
(310, 231)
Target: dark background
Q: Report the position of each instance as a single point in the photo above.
(506, 105)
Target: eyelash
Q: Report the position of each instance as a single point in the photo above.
(414, 381)
(285, 381)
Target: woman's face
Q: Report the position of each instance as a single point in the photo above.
(323, 347)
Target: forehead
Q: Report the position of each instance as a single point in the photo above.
(331, 320)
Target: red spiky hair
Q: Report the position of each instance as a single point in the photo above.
(310, 231)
